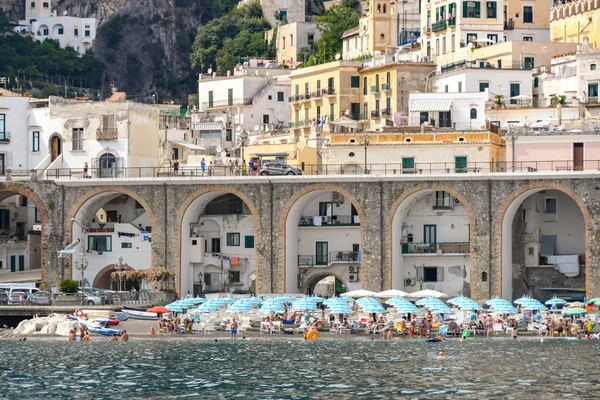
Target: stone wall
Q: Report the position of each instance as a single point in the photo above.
(486, 199)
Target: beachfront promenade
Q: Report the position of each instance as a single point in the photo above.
(490, 199)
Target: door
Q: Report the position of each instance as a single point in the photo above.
(13, 263)
(326, 211)
(108, 164)
(445, 119)
(321, 253)
(111, 216)
(577, 156)
(21, 231)
(430, 234)
(21, 263)
(216, 245)
(55, 147)
(355, 111)
(460, 164)
(515, 90)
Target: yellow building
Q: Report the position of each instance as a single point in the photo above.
(375, 95)
(518, 54)
(302, 152)
(576, 22)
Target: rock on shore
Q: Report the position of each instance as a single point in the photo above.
(55, 324)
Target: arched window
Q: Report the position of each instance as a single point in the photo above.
(384, 9)
(473, 113)
(377, 80)
(378, 8)
(108, 165)
(387, 77)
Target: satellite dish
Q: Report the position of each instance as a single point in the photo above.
(256, 128)
(337, 56)
(419, 40)
(209, 71)
(219, 148)
(223, 153)
(252, 277)
(470, 45)
(238, 128)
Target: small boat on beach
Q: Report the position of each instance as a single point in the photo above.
(122, 316)
(132, 308)
(105, 331)
(142, 315)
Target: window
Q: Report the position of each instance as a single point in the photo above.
(249, 242)
(100, 243)
(408, 165)
(444, 45)
(424, 116)
(87, 32)
(593, 90)
(355, 81)
(452, 41)
(61, 30)
(210, 98)
(233, 239)
(528, 38)
(592, 67)
(234, 276)
(33, 4)
(270, 97)
(291, 40)
(446, 88)
(473, 113)
(471, 37)
(265, 118)
(493, 38)
(306, 88)
(126, 245)
(4, 219)
(471, 9)
(442, 199)
(515, 90)
(483, 86)
(499, 63)
(229, 135)
(279, 96)
(207, 279)
(282, 14)
(528, 62)
(229, 97)
(331, 112)
(77, 144)
(36, 215)
(75, 32)
(2, 126)
(364, 85)
(35, 141)
(430, 274)
(459, 87)
(460, 164)
(311, 39)
(550, 207)
(325, 209)
(491, 9)
(437, 47)
(528, 14)
(46, 4)
(321, 253)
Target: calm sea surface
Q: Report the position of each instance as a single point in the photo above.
(326, 369)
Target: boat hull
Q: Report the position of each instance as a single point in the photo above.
(142, 315)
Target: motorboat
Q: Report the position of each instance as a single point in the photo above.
(142, 315)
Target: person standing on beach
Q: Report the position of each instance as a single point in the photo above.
(489, 324)
(72, 335)
(86, 337)
(113, 339)
(234, 326)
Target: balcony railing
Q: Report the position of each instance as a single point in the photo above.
(374, 88)
(518, 65)
(436, 248)
(452, 21)
(299, 124)
(358, 117)
(331, 220)
(375, 114)
(328, 92)
(438, 26)
(107, 134)
(509, 25)
(593, 100)
(324, 260)
(226, 103)
(385, 87)
(386, 112)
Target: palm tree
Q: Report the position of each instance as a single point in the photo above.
(499, 102)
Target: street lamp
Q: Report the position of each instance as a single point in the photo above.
(365, 140)
(120, 267)
(242, 140)
(421, 282)
(81, 266)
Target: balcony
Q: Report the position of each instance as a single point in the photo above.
(358, 117)
(439, 26)
(226, 103)
(307, 96)
(375, 114)
(107, 134)
(593, 101)
(331, 220)
(385, 87)
(325, 260)
(509, 25)
(375, 89)
(436, 248)
(299, 124)
(328, 92)
(386, 112)
(452, 21)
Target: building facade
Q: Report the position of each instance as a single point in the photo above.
(574, 21)
(291, 38)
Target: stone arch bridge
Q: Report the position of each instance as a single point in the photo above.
(488, 198)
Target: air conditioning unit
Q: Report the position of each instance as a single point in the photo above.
(353, 278)
(338, 198)
(409, 282)
(353, 269)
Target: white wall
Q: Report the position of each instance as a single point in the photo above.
(499, 80)
(80, 41)
(462, 103)
(17, 145)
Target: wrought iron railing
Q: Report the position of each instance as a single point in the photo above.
(329, 220)
(436, 248)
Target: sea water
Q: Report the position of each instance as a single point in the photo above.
(497, 368)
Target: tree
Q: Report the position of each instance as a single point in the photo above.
(499, 101)
(68, 286)
(333, 24)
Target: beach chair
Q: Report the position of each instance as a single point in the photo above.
(498, 328)
(209, 326)
(276, 328)
(265, 327)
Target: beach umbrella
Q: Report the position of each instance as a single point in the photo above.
(372, 308)
(281, 299)
(193, 300)
(576, 304)
(224, 300)
(394, 301)
(522, 299)
(442, 310)
(340, 308)
(427, 293)
(159, 310)
(336, 300)
(495, 300)
(595, 301)
(407, 309)
(240, 307)
(469, 306)
(428, 301)
(359, 293)
(388, 294)
(251, 300)
(305, 304)
(456, 299)
(367, 300)
(574, 311)
(318, 299)
(207, 307)
(555, 301)
(272, 307)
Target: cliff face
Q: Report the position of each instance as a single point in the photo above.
(144, 44)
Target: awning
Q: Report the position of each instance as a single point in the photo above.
(31, 275)
(186, 144)
(430, 105)
(207, 126)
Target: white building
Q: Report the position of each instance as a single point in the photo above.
(291, 38)
(255, 98)
(464, 111)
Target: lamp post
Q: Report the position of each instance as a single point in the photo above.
(421, 282)
(365, 140)
(242, 140)
(120, 267)
(81, 265)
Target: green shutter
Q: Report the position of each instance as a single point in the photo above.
(13, 263)
(460, 164)
(210, 100)
(355, 81)
(249, 242)
(477, 10)
(408, 163)
(465, 9)
(437, 14)
(21, 263)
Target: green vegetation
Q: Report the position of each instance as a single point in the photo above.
(223, 41)
(333, 24)
(68, 286)
(22, 55)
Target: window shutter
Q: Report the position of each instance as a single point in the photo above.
(419, 273)
(477, 9)
(465, 9)
(440, 274)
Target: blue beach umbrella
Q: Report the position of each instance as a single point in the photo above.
(373, 308)
(305, 304)
(522, 299)
(407, 309)
(340, 309)
(396, 301)
(505, 310)
(335, 300)
(272, 307)
(555, 301)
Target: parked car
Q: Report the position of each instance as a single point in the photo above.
(92, 299)
(275, 168)
(15, 295)
(3, 298)
(42, 298)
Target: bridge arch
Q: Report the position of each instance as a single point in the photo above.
(288, 226)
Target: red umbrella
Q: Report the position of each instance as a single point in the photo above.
(159, 310)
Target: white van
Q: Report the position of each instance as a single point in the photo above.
(15, 293)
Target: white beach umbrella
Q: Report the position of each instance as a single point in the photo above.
(427, 293)
(388, 294)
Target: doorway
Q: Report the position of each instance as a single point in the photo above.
(55, 147)
(577, 156)
(108, 164)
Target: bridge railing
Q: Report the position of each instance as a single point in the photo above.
(399, 168)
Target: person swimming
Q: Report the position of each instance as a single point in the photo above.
(441, 356)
